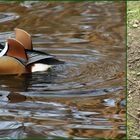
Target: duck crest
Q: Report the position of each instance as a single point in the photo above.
(17, 56)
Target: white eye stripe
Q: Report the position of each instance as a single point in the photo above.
(4, 50)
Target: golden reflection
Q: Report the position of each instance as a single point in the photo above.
(87, 133)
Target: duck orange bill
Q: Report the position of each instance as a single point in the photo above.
(3, 49)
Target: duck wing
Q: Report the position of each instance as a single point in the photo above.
(51, 61)
(35, 56)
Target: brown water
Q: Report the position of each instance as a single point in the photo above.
(83, 98)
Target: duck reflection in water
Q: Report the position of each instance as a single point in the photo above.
(13, 87)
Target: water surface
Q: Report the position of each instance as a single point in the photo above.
(83, 98)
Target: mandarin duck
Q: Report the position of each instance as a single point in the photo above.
(17, 56)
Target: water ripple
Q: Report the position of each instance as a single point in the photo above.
(96, 92)
(83, 98)
(4, 17)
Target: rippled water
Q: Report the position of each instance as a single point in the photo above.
(83, 98)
